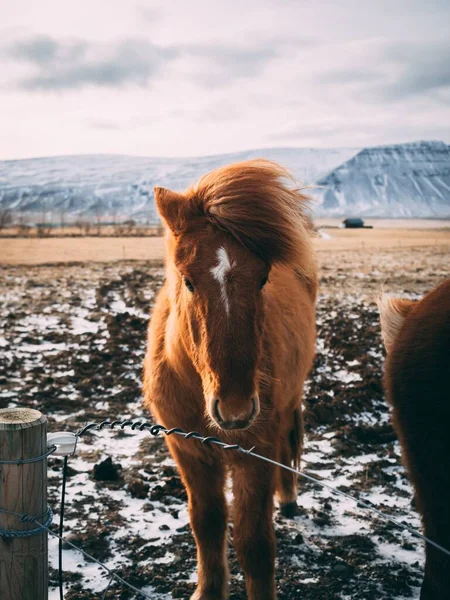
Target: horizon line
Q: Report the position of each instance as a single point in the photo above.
(230, 153)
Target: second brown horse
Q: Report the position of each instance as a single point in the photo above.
(417, 338)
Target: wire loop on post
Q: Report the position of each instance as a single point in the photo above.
(15, 533)
(28, 461)
(46, 527)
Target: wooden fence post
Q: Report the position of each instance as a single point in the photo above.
(23, 489)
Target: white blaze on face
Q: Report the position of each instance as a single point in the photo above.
(220, 274)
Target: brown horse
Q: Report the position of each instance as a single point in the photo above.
(417, 339)
(230, 343)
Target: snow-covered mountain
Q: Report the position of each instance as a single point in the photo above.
(108, 186)
(406, 180)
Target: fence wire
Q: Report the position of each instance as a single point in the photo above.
(155, 429)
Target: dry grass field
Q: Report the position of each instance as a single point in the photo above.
(34, 251)
(85, 229)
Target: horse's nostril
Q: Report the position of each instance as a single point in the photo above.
(255, 407)
(216, 411)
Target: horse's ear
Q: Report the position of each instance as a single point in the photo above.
(172, 208)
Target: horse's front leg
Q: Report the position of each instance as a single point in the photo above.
(253, 532)
(203, 475)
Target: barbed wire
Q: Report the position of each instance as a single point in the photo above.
(155, 429)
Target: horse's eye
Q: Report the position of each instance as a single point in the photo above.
(263, 283)
(188, 284)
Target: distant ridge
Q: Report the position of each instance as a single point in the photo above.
(402, 180)
(114, 185)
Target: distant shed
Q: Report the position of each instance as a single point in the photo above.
(355, 223)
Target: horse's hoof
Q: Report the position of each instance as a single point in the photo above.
(289, 510)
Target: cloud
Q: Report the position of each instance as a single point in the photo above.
(103, 124)
(219, 65)
(73, 65)
(45, 50)
(68, 65)
(216, 65)
(40, 50)
(150, 15)
(422, 67)
(318, 129)
(393, 71)
(349, 76)
(235, 59)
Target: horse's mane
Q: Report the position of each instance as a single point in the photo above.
(257, 203)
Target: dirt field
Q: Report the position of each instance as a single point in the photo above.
(33, 251)
(72, 339)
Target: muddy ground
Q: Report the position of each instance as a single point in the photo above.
(72, 340)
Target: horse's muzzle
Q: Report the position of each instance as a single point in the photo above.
(240, 420)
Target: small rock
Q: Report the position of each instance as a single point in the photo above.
(408, 546)
(107, 470)
(321, 519)
(138, 488)
(342, 570)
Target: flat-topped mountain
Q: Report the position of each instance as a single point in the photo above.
(404, 180)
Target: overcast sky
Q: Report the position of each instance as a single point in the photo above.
(196, 77)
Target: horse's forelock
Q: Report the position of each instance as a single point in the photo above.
(254, 202)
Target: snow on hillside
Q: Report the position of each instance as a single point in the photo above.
(405, 180)
(122, 186)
